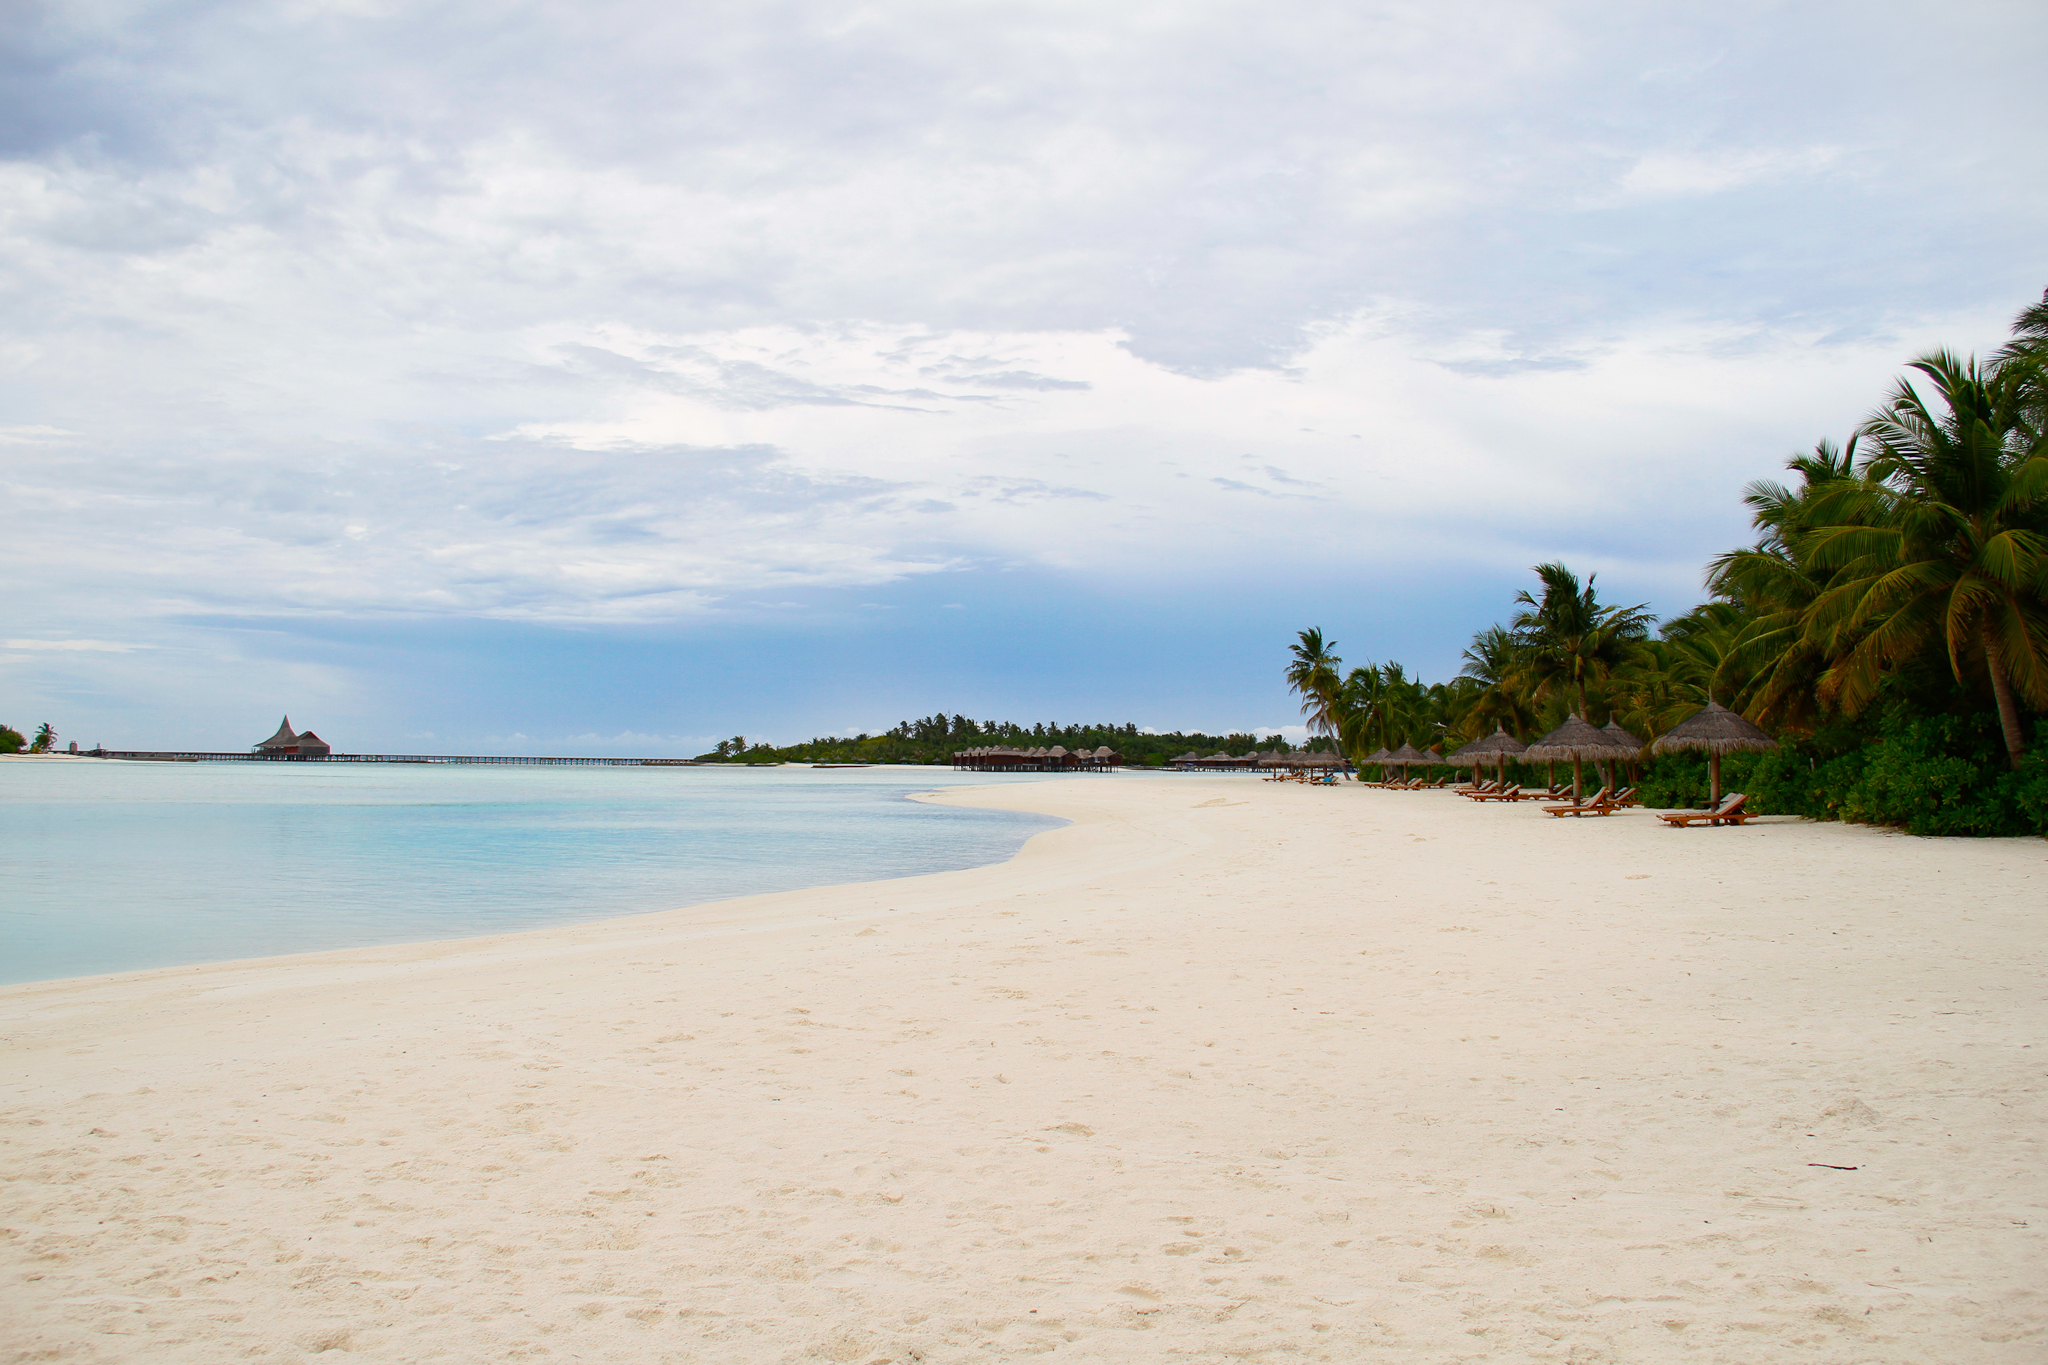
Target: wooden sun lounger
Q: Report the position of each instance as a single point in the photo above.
(1729, 812)
(1596, 805)
(1504, 794)
(1621, 800)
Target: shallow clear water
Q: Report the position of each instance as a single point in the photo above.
(113, 866)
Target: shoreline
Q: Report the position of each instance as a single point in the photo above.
(1219, 1067)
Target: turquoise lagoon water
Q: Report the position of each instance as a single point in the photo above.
(113, 866)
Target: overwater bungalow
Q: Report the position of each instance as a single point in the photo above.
(285, 744)
(998, 758)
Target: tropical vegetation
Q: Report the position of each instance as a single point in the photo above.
(936, 738)
(1889, 624)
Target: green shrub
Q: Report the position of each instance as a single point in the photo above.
(1926, 772)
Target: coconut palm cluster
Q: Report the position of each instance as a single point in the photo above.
(1904, 571)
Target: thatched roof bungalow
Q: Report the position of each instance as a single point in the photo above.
(285, 744)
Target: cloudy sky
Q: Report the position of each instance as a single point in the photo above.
(613, 377)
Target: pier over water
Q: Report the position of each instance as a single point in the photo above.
(303, 746)
(197, 756)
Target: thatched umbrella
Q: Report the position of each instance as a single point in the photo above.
(1405, 756)
(1468, 756)
(1719, 731)
(1631, 746)
(1501, 744)
(1494, 749)
(1574, 740)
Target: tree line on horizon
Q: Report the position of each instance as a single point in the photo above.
(1889, 626)
(936, 738)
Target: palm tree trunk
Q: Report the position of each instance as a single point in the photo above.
(2008, 709)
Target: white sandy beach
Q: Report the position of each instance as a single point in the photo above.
(1223, 1071)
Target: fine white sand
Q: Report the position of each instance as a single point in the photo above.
(1223, 1071)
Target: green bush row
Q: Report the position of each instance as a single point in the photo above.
(1925, 773)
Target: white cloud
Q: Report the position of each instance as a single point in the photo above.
(77, 646)
(709, 467)
(1676, 175)
(26, 436)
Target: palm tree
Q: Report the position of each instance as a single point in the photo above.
(1773, 665)
(2029, 330)
(1361, 712)
(1943, 538)
(1569, 641)
(1314, 678)
(1493, 664)
(1381, 707)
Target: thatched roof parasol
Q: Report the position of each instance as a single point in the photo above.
(1321, 759)
(1622, 738)
(1715, 729)
(1718, 731)
(1496, 746)
(1406, 756)
(1576, 741)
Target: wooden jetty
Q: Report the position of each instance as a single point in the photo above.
(199, 756)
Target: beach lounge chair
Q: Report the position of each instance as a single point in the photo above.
(1513, 793)
(1729, 812)
(1625, 797)
(1483, 789)
(1597, 804)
